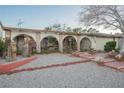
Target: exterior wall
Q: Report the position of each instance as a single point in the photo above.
(16, 33)
(101, 41)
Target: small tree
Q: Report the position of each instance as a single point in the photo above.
(48, 28)
(77, 30)
(58, 27)
(68, 29)
(92, 30)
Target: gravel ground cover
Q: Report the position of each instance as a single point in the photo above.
(74, 76)
(49, 59)
(81, 75)
(3, 61)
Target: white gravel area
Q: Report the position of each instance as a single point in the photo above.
(74, 76)
(49, 59)
(2, 61)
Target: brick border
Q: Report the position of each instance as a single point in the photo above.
(112, 67)
(4, 68)
(47, 66)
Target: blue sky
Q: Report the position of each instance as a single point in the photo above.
(39, 16)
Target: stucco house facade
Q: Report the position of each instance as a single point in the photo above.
(95, 41)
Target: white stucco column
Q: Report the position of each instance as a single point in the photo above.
(117, 42)
(78, 43)
(93, 40)
(38, 42)
(38, 47)
(61, 43)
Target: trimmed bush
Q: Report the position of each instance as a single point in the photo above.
(110, 46)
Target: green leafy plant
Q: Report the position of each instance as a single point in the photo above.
(110, 46)
(2, 47)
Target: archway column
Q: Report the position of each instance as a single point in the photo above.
(38, 42)
(61, 43)
(78, 44)
(38, 47)
(94, 46)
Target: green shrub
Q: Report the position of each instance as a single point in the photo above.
(110, 46)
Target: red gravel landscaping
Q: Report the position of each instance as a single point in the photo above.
(115, 65)
(4, 68)
(83, 55)
(48, 66)
(109, 62)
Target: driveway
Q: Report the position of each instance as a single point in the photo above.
(73, 76)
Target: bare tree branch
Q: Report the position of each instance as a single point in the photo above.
(109, 16)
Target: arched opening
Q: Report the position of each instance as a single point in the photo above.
(85, 44)
(69, 44)
(49, 44)
(20, 41)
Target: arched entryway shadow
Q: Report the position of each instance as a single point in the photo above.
(49, 44)
(69, 44)
(20, 42)
(85, 44)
